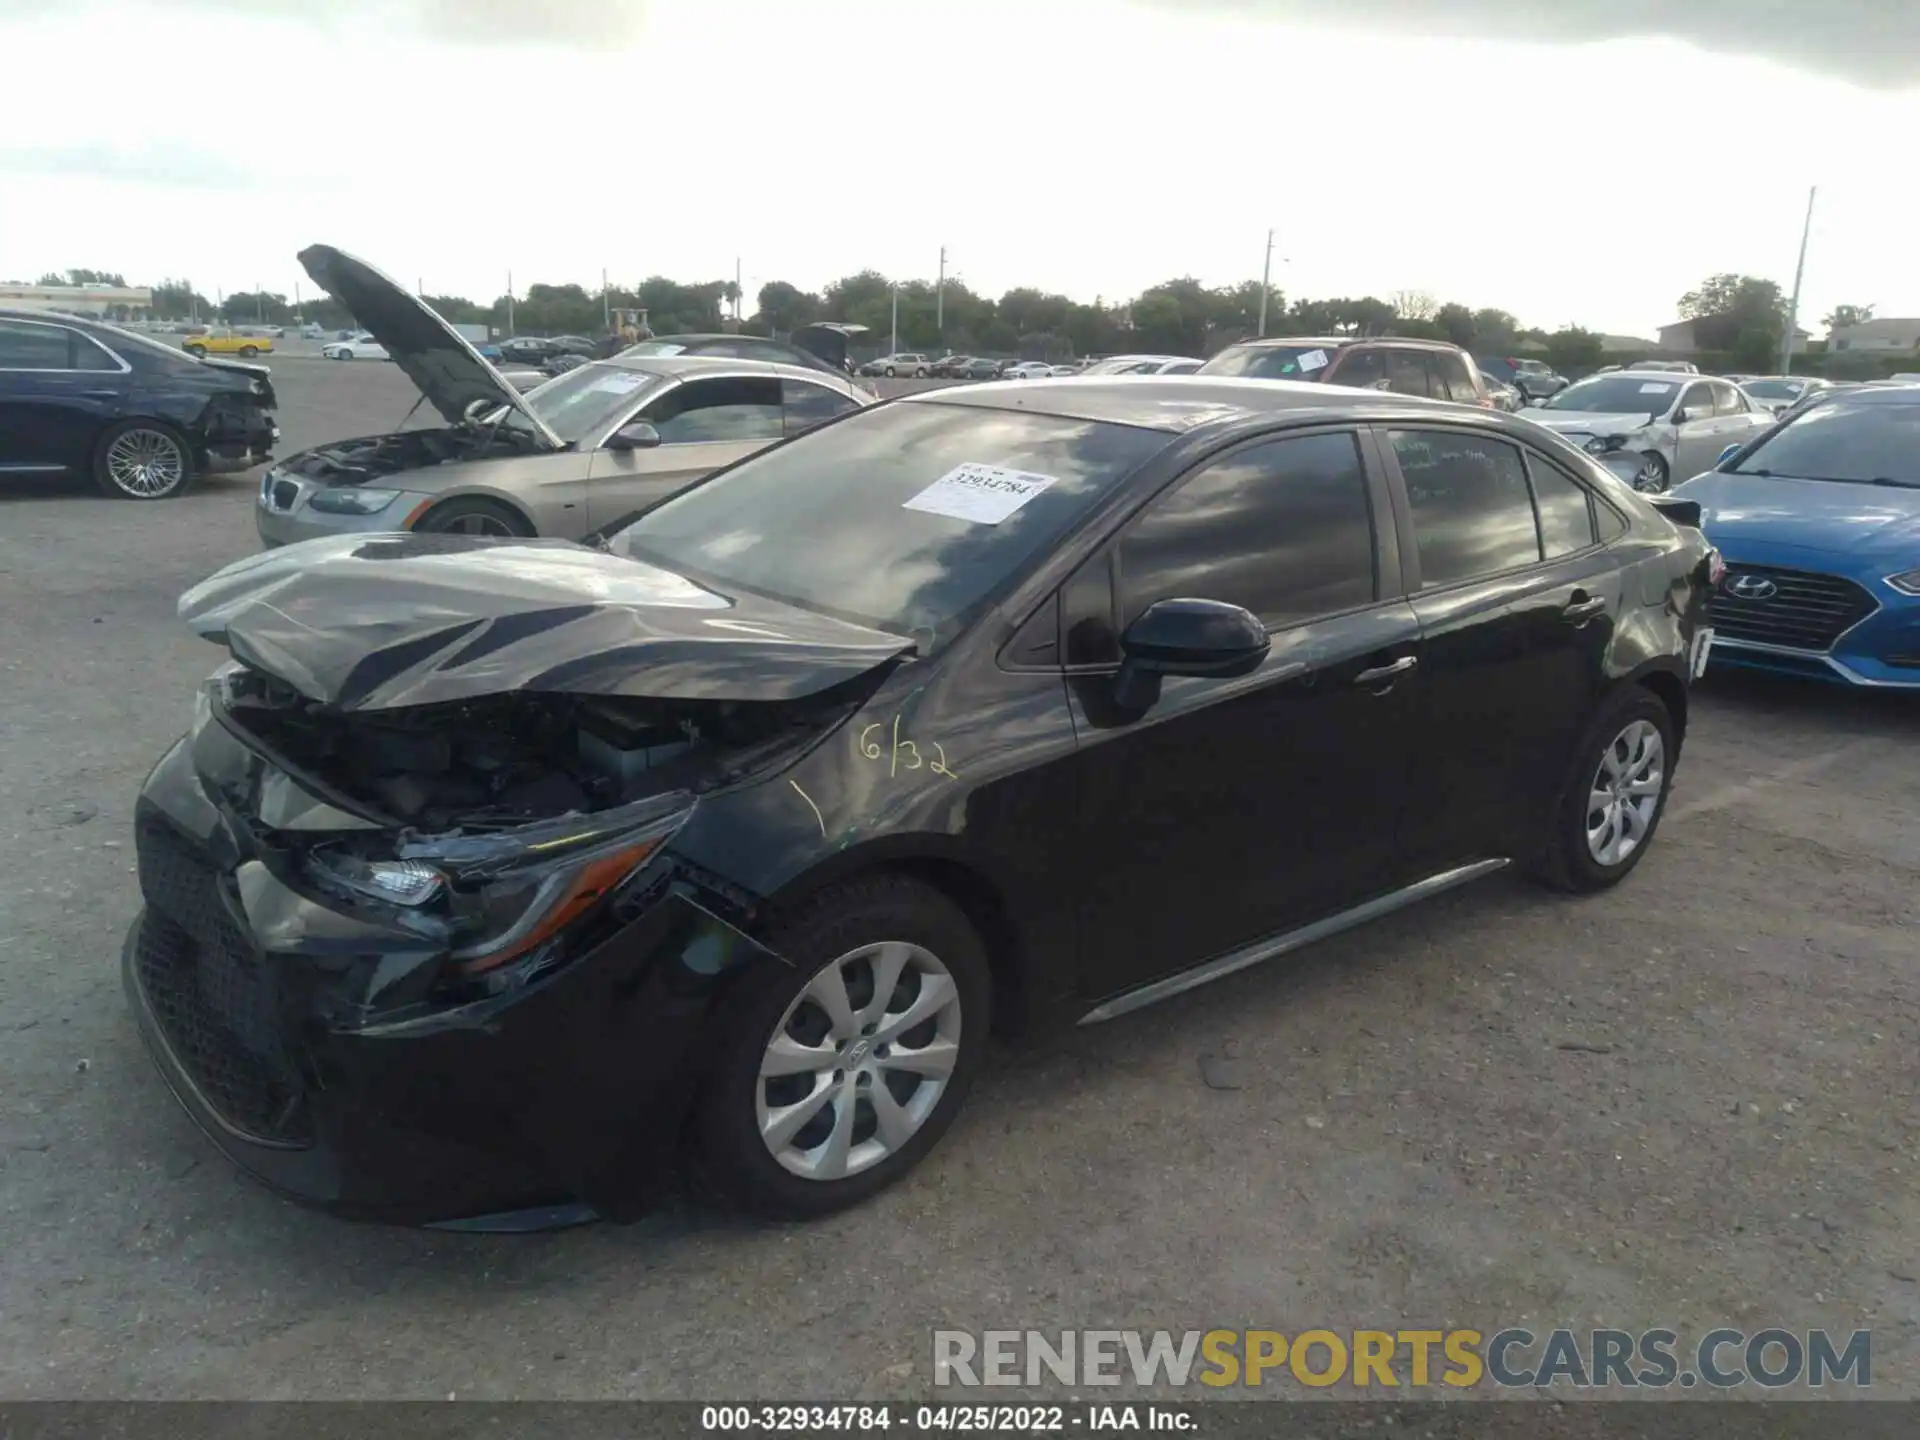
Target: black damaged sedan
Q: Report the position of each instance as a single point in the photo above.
(496, 878)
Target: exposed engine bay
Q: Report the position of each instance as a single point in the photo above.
(508, 760)
(354, 462)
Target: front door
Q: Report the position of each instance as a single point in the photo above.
(1233, 809)
(1516, 604)
(1698, 441)
(703, 425)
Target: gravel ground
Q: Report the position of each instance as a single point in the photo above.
(1687, 1103)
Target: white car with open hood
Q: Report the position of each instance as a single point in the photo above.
(1652, 427)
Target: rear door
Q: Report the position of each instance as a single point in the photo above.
(1232, 809)
(703, 424)
(1517, 602)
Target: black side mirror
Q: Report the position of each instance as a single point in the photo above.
(635, 435)
(1682, 416)
(1208, 638)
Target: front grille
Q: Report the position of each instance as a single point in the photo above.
(212, 995)
(1805, 611)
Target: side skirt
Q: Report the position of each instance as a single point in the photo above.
(1280, 944)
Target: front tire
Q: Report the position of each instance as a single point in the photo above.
(247, 352)
(1652, 477)
(1614, 796)
(475, 515)
(199, 352)
(889, 372)
(834, 1082)
(143, 460)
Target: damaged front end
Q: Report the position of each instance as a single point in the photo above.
(439, 963)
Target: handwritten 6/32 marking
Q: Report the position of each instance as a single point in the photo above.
(901, 754)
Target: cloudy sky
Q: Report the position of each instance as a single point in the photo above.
(1562, 159)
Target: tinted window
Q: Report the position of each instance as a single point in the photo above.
(1775, 389)
(1407, 373)
(1500, 369)
(1472, 512)
(1843, 439)
(1607, 522)
(1566, 523)
(824, 522)
(89, 356)
(1282, 529)
(33, 347)
(1455, 379)
(1362, 369)
(807, 405)
(720, 411)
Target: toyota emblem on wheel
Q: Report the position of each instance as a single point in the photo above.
(1752, 587)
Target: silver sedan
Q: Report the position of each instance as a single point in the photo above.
(588, 447)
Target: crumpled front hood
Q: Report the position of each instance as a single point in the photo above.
(371, 622)
(1824, 515)
(1589, 422)
(448, 370)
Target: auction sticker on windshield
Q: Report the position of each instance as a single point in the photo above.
(1658, 387)
(620, 382)
(1313, 360)
(984, 494)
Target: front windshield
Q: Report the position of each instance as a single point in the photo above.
(1617, 395)
(1774, 389)
(1120, 365)
(579, 403)
(1271, 362)
(1843, 440)
(906, 518)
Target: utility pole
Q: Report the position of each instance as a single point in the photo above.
(510, 302)
(737, 296)
(894, 349)
(1793, 305)
(606, 302)
(259, 305)
(940, 299)
(299, 310)
(1266, 274)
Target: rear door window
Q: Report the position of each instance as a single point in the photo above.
(1566, 515)
(1363, 368)
(805, 406)
(727, 410)
(1472, 509)
(1407, 374)
(26, 346)
(1455, 377)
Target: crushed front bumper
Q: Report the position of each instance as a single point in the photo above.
(270, 1018)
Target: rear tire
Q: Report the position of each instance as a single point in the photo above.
(199, 352)
(1602, 825)
(473, 515)
(247, 352)
(751, 1157)
(143, 460)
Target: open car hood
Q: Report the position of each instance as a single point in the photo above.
(448, 370)
(371, 622)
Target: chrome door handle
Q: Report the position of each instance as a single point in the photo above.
(1579, 612)
(1386, 672)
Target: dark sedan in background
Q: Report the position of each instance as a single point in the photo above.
(494, 872)
(142, 419)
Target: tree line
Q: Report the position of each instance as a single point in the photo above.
(1741, 317)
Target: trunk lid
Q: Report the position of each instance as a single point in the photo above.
(446, 367)
(371, 622)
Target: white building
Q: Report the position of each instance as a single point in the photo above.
(130, 301)
(1878, 335)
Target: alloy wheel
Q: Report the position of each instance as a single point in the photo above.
(146, 463)
(1651, 477)
(1625, 793)
(859, 1061)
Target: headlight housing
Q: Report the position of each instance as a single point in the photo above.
(351, 500)
(498, 900)
(1907, 582)
(1601, 444)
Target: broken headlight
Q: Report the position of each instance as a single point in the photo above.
(351, 500)
(502, 897)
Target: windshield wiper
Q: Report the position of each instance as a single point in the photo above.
(1886, 480)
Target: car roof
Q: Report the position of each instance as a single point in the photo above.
(1877, 392)
(679, 366)
(47, 317)
(1330, 341)
(1178, 403)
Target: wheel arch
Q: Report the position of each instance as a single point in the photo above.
(981, 897)
(1670, 689)
(475, 492)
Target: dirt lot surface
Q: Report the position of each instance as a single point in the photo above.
(1687, 1103)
